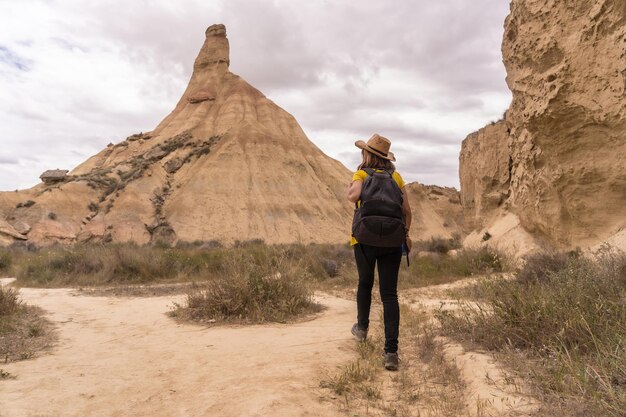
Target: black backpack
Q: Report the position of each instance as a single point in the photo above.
(379, 220)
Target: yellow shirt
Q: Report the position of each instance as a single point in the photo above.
(360, 175)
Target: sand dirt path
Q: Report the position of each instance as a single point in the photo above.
(490, 390)
(125, 357)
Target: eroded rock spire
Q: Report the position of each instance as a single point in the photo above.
(215, 53)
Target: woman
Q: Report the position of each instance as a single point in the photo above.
(378, 161)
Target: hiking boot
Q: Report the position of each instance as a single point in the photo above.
(359, 334)
(391, 361)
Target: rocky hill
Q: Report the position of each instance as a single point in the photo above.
(226, 164)
(553, 172)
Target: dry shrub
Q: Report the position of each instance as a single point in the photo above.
(113, 264)
(570, 319)
(438, 244)
(438, 269)
(131, 264)
(542, 265)
(23, 330)
(252, 291)
(326, 261)
(9, 301)
(128, 264)
(5, 260)
(331, 267)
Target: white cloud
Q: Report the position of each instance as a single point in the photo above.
(77, 75)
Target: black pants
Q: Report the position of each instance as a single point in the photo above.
(388, 260)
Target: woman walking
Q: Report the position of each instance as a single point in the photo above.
(380, 227)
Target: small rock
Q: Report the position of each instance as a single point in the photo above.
(156, 153)
(173, 165)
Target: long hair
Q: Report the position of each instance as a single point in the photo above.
(373, 161)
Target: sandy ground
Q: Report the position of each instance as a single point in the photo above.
(490, 390)
(125, 357)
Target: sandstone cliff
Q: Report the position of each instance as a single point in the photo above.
(554, 171)
(226, 164)
(484, 171)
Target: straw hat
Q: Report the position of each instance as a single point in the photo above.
(377, 145)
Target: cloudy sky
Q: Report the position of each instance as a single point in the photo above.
(78, 74)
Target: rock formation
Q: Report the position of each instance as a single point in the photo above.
(226, 164)
(553, 172)
(53, 175)
(436, 212)
(484, 173)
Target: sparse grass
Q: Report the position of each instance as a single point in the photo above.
(114, 264)
(148, 290)
(330, 267)
(6, 259)
(250, 290)
(9, 302)
(23, 331)
(439, 386)
(542, 265)
(100, 265)
(359, 379)
(563, 323)
(436, 268)
(129, 264)
(438, 244)
(432, 269)
(425, 385)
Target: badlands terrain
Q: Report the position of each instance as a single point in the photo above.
(548, 179)
(220, 167)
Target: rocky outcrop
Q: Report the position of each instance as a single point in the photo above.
(436, 212)
(54, 175)
(485, 173)
(201, 95)
(9, 231)
(227, 164)
(566, 66)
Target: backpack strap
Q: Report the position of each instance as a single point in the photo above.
(369, 171)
